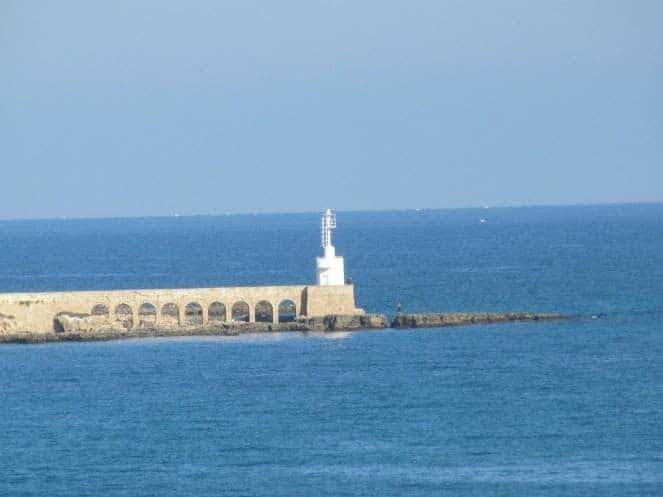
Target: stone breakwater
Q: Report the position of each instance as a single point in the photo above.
(437, 320)
(76, 327)
(136, 310)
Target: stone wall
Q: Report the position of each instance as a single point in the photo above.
(153, 309)
(324, 300)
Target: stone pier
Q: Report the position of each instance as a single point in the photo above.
(164, 308)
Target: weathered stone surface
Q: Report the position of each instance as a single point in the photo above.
(344, 322)
(7, 323)
(367, 321)
(86, 327)
(71, 326)
(434, 320)
(72, 322)
(43, 312)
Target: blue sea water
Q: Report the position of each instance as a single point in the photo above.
(553, 409)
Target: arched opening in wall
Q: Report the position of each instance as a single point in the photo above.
(147, 316)
(193, 314)
(240, 311)
(264, 312)
(100, 310)
(124, 316)
(170, 314)
(216, 312)
(287, 311)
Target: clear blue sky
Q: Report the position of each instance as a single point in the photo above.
(132, 108)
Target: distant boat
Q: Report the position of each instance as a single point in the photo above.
(482, 221)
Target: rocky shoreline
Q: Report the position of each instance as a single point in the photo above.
(74, 332)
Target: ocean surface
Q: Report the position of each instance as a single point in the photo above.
(524, 409)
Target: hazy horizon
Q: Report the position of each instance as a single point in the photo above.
(283, 213)
(142, 109)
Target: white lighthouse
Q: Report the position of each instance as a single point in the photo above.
(329, 267)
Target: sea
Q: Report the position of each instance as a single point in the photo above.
(563, 408)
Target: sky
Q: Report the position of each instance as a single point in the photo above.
(161, 107)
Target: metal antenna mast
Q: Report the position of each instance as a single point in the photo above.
(328, 224)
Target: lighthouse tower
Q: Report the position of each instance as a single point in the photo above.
(329, 267)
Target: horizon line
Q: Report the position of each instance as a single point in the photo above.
(369, 210)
